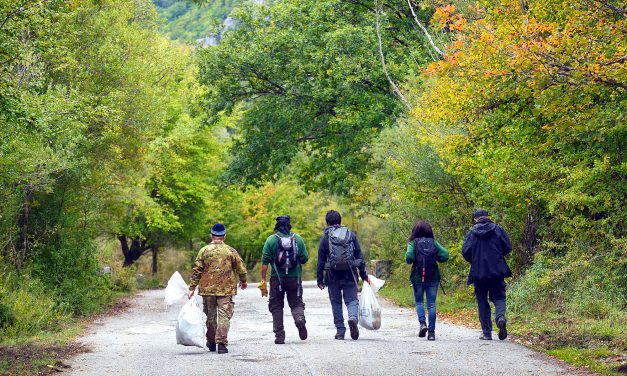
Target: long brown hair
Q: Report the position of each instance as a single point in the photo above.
(422, 229)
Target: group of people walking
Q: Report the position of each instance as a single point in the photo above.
(218, 268)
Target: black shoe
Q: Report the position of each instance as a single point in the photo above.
(352, 324)
(339, 336)
(423, 330)
(431, 336)
(502, 324)
(222, 348)
(485, 338)
(302, 330)
(279, 341)
(211, 346)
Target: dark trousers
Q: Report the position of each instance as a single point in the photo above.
(493, 289)
(294, 291)
(346, 289)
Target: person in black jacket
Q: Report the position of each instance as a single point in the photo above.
(342, 281)
(484, 247)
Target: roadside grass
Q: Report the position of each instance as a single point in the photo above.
(39, 354)
(597, 345)
(42, 353)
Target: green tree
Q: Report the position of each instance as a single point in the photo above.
(307, 78)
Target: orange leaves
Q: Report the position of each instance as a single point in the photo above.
(443, 15)
(446, 17)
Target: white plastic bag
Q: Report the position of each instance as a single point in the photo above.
(369, 309)
(375, 283)
(176, 289)
(190, 326)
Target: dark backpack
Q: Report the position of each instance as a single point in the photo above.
(425, 257)
(287, 254)
(341, 249)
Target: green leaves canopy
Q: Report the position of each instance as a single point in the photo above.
(306, 79)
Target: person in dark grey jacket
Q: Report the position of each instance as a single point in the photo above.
(342, 283)
(485, 247)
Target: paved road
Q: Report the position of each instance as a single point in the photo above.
(142, 342)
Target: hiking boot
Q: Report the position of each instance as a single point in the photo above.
(279, 341)
(423, 329)
(222, 348)
(502, 324)
(352, 324)
(431, 336)
(211, 346)
(302, 330)
(339, 336)
(485, 338)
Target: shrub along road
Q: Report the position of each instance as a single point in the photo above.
(142, 341)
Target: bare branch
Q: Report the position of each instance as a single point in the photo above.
(424, 29)
(395, 88)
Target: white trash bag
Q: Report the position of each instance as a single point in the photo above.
(375, 283)
(369, 307)
(176, 289)
(190, 326)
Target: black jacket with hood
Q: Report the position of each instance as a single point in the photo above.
(484, 247)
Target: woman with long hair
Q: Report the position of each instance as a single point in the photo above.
(424, 253)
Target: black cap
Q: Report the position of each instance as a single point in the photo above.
(218, 229)
(283, 219)
(480, 213)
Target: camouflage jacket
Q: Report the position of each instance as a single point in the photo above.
(217, 270)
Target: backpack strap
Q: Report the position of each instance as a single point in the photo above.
(415, 263)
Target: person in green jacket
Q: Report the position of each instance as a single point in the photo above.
(285, 251)
(424, 253)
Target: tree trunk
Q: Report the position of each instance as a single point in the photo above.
(22, 224)
(136, 250)
(155, 250)
(530, 236)
(125, 251)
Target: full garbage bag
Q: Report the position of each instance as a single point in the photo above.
(176, 289)
(369, 307)
(190, 326)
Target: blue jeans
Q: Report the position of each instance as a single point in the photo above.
(430, 289)
(348, 290)
(495, 289)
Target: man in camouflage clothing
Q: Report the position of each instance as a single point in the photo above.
(217, 270)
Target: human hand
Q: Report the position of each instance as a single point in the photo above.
(190, 293)
(243, 285)
(321, 286)
(367, 280)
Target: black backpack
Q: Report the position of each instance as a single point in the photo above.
(425, 257)
(341, 249)
(287, 254)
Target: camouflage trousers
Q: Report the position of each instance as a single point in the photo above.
(219, 310)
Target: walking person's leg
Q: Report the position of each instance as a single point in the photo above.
(431, 291)
(294, 292)
(225, 312)
(210, 308)
(335, 296)
(275, 305)
(483, 309)
(498, 298)
(418, 290)
(349, 291)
